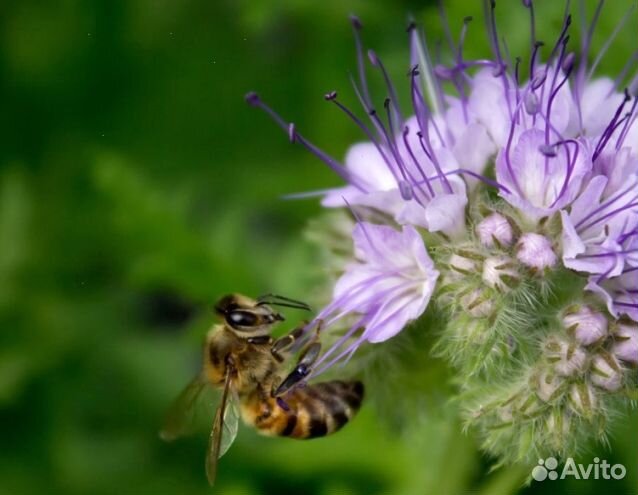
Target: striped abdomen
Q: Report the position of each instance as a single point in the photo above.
(307, 412)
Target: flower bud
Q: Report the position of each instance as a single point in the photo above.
(477, 304)
(557, 424)
(567, 358)
(547, 386)
(625, 345)
(531, 103)
(462, 265)
(582, 399)
(606, 372)
(589, 326)
(505, 413)
(495, 229)
(535, 251)
(499, 272)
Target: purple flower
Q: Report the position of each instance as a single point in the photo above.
(443, 211)
(416, 169)
(594, 108)
(387, 286)
(535, 251)
(589, 326)
(625, 346)
(606, 372)
(495, 229)
(600, 230)
(619, 293)
(567, 359)
(559, 144)
(539, 182)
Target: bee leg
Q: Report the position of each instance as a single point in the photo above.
(261, 340)
(283, 345)
(302, 370)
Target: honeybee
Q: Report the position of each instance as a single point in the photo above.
(245, 364)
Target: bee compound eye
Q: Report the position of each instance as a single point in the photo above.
(241, 319)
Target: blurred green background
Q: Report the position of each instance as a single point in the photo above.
(136, 187)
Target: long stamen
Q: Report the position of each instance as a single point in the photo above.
(532, 22)
(609, 253)
(588, 34)
(376, 62)
(603, 206)
(609, 214)
(406, 187)
(623, 73)
(490, 19)
(332, 97)
(459, 61)
(440, 175)
(559, 47)
(356, 27)
(631, 118)
(351, 293)
(555, 89)
(626, 236)
(446, 24)
(567, 21)
(610, 40)
(508, 160)
(480, 177)
(421, 112)
(532, 60)
(389, 140)
(366, 106)
(254, 100)
(570, 165)
(586, 37)
(609, 131)
(517, 68)
(416, 162)
(353, 329)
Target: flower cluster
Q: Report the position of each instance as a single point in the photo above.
(508, 203)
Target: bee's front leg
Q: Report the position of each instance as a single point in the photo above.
(282, 347)
(261, 340)
(307, 358)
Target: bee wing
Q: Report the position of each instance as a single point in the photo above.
(182, 411)
(225, 428)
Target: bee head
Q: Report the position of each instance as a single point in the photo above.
(247, 316)
(254, 317)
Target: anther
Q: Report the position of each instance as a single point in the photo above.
(539, 79)
(372, 56)
(531, 103)
(548, 150)
(252, 98)
(568, 63)
(406, 190)
(330, 96)
(356, 22)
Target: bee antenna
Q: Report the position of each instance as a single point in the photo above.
(277, 300)
(305, 307)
